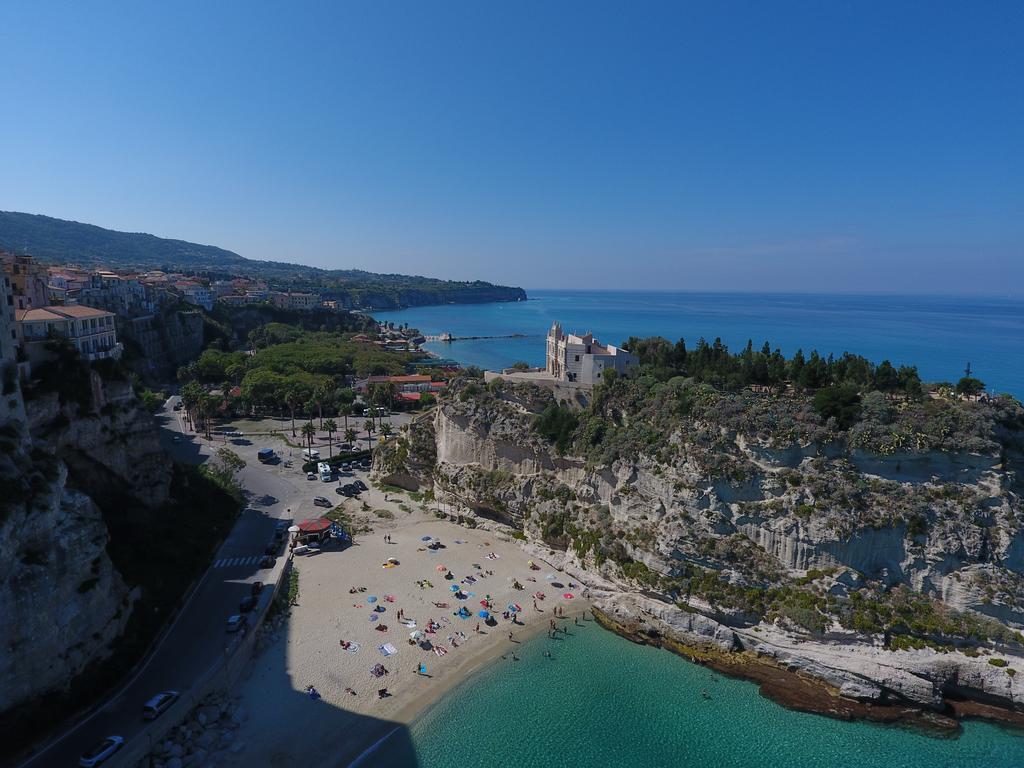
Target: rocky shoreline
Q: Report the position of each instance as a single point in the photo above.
(789, 686)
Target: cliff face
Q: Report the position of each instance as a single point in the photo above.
(761, 531)
(163, 343)
(62, 600)
(110, 449)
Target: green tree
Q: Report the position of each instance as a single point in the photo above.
(350, 436)
(292, 398)
(320, 396)
(370, 428)
(969, 385)
(386, 430)
(309, 432)
(331, 426)
(841, 403)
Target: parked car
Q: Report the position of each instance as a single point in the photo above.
(101, 752)
(176, 439)
(257, 587)
(322, 501)
(267, 561)
(311, 475)
(236, 622)
(159, 704)
(300, 550)
(346, 465)
(340, 490)
(360, 485)
(247, 603)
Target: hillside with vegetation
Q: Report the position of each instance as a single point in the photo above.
(806, 501)
(58, 241)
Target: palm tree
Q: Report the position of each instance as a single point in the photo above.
(309, 432)
(350, 436)
(207, 407)
(386, 430)
(368, 425)
(292, 396)
(320, 396)
(331, 426)
(191, 391)
(345, 410)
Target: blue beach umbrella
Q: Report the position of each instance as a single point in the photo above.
(371, 599)
(453, 588)
(484, 614)
(424, 538)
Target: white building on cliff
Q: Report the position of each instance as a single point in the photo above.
(583, 359)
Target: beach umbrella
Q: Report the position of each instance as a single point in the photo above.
(393, 560)
(453, 588)
(550, 576)
(424, 538)
(294, 529)
(374, 617)
(371, 599)
(513, 607)
(417, 635)
(484, 614)
(567, 595)
(442, 568)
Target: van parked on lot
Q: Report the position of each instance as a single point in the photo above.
(265, 455)
(311, 455)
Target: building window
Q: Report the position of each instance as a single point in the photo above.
(577, 358)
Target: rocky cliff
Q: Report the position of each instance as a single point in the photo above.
(62, 600)
(755, 527)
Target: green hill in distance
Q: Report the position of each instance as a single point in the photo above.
(58, 241)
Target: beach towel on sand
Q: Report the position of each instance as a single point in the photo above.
(409, 623)
(440, 650)
(352, 647)
(387, 649)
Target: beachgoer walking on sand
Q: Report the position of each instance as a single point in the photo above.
(511, 636)
(535, 605)
(477, 627)
(575, 621)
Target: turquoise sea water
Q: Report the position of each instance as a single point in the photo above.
(938, 334)
(603, 701)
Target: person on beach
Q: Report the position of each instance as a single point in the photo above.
(575, 621)
(511, 636)
(477, 630)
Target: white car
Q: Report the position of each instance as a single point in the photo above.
(159, 704)
(101, 752)
(235, 623)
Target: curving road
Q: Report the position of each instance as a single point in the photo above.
(198, 636)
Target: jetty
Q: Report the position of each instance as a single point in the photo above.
(449, 337)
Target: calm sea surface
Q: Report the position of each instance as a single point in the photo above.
(939, 335)
(602, 701)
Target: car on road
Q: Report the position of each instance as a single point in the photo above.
(236, 622)
(176, 439)
(322, 501)
(101, 752)
(267, 561)
(159, 704)
(311, 475)
(247, 603)
(360, 485)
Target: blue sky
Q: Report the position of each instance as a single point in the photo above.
(867, 146)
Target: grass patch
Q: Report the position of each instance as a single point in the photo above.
(384, 514)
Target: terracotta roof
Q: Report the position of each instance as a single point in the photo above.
(79, 311)
(36, 315)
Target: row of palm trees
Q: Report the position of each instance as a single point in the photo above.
(330, 426)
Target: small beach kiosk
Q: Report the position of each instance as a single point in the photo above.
(317, 529)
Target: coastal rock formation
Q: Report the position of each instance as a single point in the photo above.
(62, 601)
(110, 446)
(753, 528)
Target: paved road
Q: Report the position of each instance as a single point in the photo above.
(198, 637)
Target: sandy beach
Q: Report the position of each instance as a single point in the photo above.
(286, 727)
